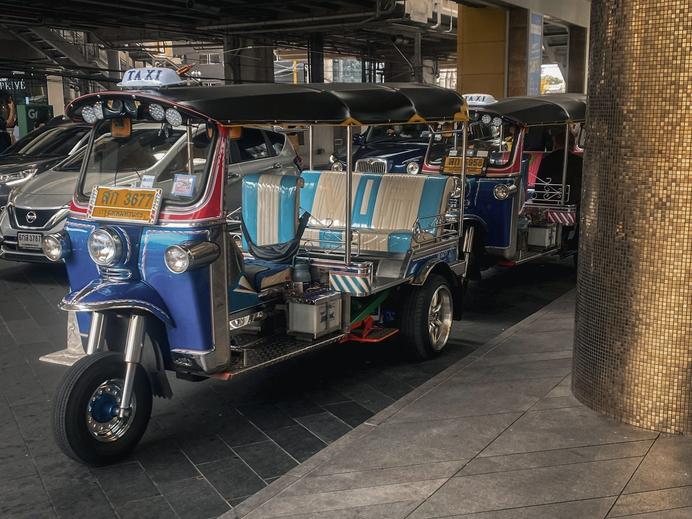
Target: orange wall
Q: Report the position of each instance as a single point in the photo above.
(481, 34)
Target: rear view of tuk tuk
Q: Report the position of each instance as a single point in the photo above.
(165, 279)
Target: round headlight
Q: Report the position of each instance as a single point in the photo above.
(501, 191)
(413, 168)
(486, 119)
(55, 246)
(157, 112)
(337, 165)
(497, 122)
(177, 259)
(173, 117)
(89, 114)
(105, 247)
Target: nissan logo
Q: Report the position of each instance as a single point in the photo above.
(30, 217)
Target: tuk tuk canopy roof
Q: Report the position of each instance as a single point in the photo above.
(539, 110)
(310, 103)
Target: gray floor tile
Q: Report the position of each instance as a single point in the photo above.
(563, 428)
(530, 487)
(149, 508)
(23, 496)
(373, 478)
(81, 501)
(583, 509)
(350, 412)
(384, 511)
(297, 441)
(325, 426)
(455, 399)
(534, 342)
(266, 458)
(516, 371)
(653, 501)
(400, 444)
(485, 465)
(231, 477)
(125, 482)
(194, 499)
(165, 462)
(556, 403)
(329, 501)
(675, 513)
(669, 464)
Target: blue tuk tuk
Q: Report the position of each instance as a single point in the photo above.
(523, 176)
(162, 279)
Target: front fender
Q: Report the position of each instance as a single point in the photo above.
(102, 295)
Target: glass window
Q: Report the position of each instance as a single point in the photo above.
(252, 145)
(277, 141)
(397, 132)
(58, 140)
(154, 155)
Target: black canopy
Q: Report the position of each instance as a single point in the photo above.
(275, 103)
(534, 110)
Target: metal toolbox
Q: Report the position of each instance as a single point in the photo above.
(314, 314)
(543, 237)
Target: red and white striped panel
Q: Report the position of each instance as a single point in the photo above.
(568, 218)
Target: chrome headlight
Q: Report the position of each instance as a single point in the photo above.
(188, 256)
(17, 177)
(105, 247)
(413, 168)
(173, 117)
(337, 165)
(503, 191)
(56, 246)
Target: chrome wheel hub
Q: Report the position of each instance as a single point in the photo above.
(102, 412)
(440, 317)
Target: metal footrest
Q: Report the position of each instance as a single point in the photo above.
(266, 351)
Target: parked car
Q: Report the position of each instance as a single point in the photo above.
(39, 151)
(40, 206)
(388, 149)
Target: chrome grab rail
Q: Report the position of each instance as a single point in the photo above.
(549, 193)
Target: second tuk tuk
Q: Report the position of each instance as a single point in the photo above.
(163, 281)
(523, 176)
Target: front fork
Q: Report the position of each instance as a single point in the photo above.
(132, 356)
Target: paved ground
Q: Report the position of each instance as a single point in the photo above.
(215, 443)
(498, 435)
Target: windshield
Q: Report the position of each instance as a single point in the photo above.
(494, 142)
(156, 155)
(397, 132)
(57, 140)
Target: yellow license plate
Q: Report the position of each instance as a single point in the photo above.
(474, 165)
(139, 205)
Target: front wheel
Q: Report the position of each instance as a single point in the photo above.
(85, 420)
(426, 320)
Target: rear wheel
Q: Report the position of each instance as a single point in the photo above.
(426, 318)
(85, 420)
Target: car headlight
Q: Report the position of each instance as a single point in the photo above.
(413, 168)
(337, 165)
(17, 177)
(189, 256)
(105, 247)
(56, 246)
(503, 191)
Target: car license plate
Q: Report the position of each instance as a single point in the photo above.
(29, 240)
(123, 204)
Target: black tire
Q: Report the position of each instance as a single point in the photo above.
(70, 428)
(414, 332)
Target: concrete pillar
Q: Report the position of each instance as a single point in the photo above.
(481, 50)
(518, 52)
(418, 57)
(248, 61)
(633, 341)
(576, 74)
(56, 94)
(316, 58)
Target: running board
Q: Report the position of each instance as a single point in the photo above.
(266, 351)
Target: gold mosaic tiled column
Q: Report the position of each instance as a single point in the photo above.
(633, 346)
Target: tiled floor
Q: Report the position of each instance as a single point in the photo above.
(496, 436)
(214, 444)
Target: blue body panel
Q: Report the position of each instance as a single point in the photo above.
(482, 205)
(165, 294)
(397, 154)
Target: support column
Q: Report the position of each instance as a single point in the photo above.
(56, 94)
(248, 61)
(518, 52)
(316, 58)
(576, 75)
(633, 341)
(418, 57)
(481, 50)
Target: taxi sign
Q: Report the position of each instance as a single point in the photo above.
(479, 99)
(125, 204)
(150, 77)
